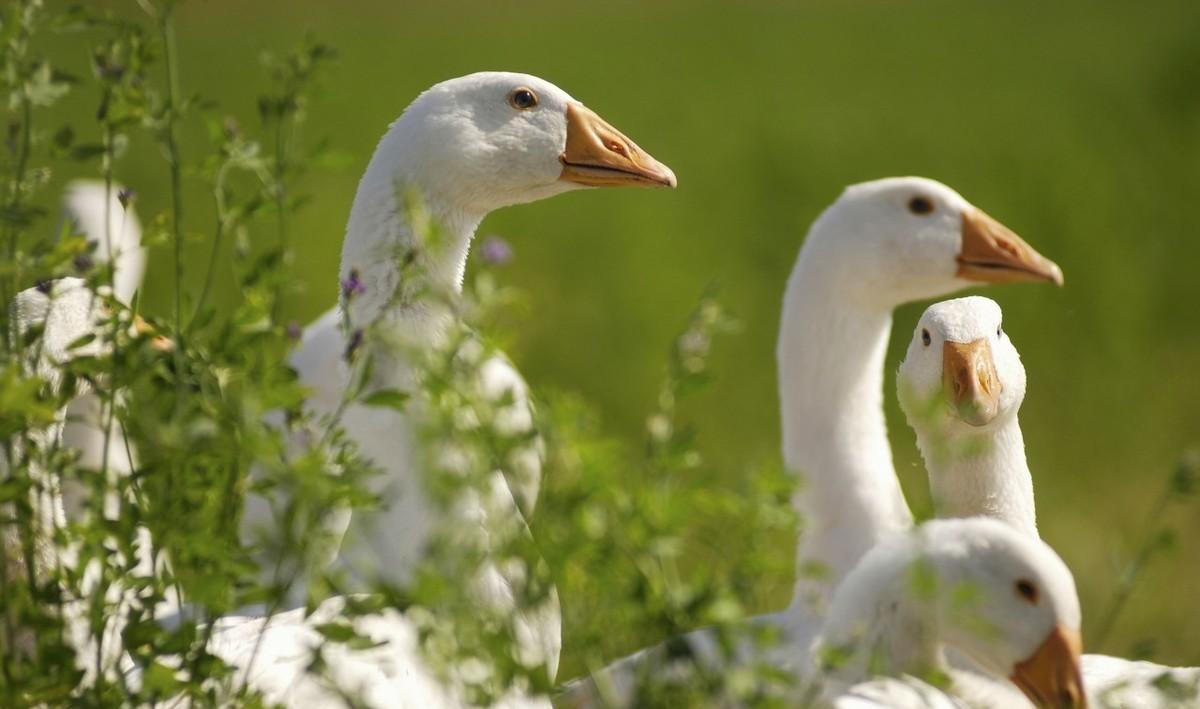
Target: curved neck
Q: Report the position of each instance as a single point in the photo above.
(831, 354)
(981, 474)
(380, 235)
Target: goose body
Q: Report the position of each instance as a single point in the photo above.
(879, 245)
(274, 659)
(66, 310)
(961, 386)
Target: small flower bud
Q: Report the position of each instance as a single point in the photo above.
(496, 251)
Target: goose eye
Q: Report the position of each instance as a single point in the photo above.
(999, 331)
(1027, 590)
(522, 98)
(920, 205)
(925, 338)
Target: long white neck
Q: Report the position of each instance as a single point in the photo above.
(984, 474)
(830, 356)
(380, 234)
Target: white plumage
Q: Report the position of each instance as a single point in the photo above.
(879, 245)
(977, 463)
(464, 148)
(1003, 601)
(115, 234)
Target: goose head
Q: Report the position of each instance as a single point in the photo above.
(1008, 602)
(494, 139)
(1002, 598)
(961, 371)
(907, 238)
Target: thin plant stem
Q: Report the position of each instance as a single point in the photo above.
(280, 193)
(218, 238)
(12, 229)
(167, 29)
(1129, 578)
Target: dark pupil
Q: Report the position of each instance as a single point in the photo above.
(524, 99)
(920, 205)
(925, 337)
(1027, 590)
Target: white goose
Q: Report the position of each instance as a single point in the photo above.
(961, 385)
(96, 211)
(976, 586)
(965, 416)
(66, 309)
(275, 659)
(466, 146)
(882, 244)
(879, 245)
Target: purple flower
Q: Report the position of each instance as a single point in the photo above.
(352, 285)
(293, 330)
(496, 251)
(356, 340)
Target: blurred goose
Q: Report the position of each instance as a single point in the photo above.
(96, 211)
(879, 245)
(66, 310)
(961, 385)
(465, 147)
(275, 658)
(976, 586)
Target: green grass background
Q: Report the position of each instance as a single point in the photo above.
(1075, 123)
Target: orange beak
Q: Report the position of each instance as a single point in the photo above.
(992, 253)
(598, 155)
(1051, 677)
(970, 381)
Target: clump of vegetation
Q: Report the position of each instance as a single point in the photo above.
(121, 607)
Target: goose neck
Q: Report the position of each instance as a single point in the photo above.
(831, 355)
(403, 227)
(982, 473)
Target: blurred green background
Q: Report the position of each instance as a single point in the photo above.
(1075, 123)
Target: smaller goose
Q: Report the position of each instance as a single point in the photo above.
(976, 586)
(961, 385)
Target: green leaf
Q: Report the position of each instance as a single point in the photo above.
(387, 398)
